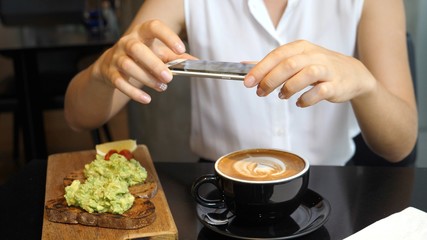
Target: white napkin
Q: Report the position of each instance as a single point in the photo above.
(409, 224)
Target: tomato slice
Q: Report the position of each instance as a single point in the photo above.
(126, 153)
(108, 155)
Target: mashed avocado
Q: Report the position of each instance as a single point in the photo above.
(119, 167)
(106, 188)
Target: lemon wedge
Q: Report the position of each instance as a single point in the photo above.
(103, 148)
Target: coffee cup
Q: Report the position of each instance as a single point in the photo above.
(256, 184)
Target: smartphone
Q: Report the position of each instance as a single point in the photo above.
(210, 69)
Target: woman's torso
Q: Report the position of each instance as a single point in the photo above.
(226, 116)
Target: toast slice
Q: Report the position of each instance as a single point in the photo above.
(141, 214)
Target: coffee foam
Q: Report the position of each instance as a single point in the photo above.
(260, 167)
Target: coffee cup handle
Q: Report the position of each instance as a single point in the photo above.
(211, 203)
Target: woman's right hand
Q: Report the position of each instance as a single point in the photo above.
(138, 59)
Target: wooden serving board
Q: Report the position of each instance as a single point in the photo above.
(59, 165)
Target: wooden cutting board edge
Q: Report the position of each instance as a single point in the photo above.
(62, 163)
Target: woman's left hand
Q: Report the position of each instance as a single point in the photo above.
(332, 76)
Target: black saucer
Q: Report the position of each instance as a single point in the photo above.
(309, 216)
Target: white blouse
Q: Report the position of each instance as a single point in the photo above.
(226, 116)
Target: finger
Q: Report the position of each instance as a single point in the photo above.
(131, 69)
(249, 80)
(317, 93)
(309, 75)
(273, 59)
(147, 60)
(249, 62)
(187, 56)
(156, 29)
(166, 55)
(128, 89)
(282, 73)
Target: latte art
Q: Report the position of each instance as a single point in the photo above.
(260, 167)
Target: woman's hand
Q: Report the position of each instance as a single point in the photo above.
(138, 59)
(332, 76)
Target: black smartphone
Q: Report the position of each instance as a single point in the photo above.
(210, 69)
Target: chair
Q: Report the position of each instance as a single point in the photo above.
(364, 155)
(55, 84)
(9, 103)
(53, 81)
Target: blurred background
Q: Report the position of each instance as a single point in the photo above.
(162, 126)
(416, 14)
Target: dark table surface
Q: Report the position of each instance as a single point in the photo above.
(358, 196)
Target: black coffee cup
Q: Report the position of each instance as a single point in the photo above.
(257, 184)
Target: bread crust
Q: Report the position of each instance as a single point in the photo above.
(141, 214)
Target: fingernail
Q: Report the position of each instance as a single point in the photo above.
(298, 103)
(250, 81)
(162, 86)
(179, 48)
(166, 75)
(281, 95)
(145, 98)
(260, 92)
